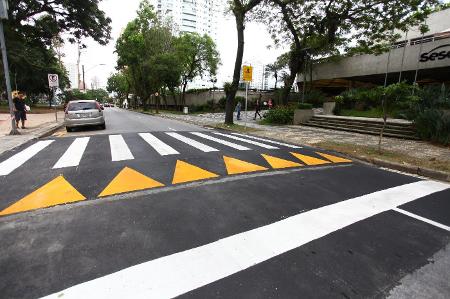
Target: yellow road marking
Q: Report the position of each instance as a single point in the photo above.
(334, 159)
(278, 163)
(308, 160)
(235, 166)
(129, 180)
(185, 172)
(58, 191)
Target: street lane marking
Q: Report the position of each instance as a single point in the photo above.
(224, 142)
(267, 140)
(14, 162)
(247, 141)
(73, 154)
(429, 221)
(182, 272)
(203, 147)
(119, 149)
(185, 172)
(334, 159)
(278, 163)
(58, 191)
(308, 160)
(129, 180)
(236, 166)
(159, 146)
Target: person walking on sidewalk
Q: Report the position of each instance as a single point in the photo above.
(257, 109)
(20, 111)
(238, 110)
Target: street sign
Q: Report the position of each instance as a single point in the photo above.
(53, 80)
(247, 72)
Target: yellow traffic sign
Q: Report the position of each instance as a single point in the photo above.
(247, 72)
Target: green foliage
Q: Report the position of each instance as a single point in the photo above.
(304, 106)
(100, 95)
(315, 97)
(197, 90)
(119, 83)
(433, 125)
(222, 102)
(281, 115)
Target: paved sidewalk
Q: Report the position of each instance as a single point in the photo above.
(314, 136)
(37, 125)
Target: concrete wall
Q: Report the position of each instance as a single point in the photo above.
(364, 65)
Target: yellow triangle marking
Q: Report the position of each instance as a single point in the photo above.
(129, 180)
(185, 172)
(278, 163)
(308, 160)
(334, 159)
(235, 166)
(58, 191)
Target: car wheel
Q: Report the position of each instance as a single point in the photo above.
(69, 129)
(103, 126)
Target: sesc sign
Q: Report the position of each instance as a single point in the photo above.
(436, 54)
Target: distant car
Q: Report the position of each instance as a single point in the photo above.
(83, 113)
(107, 105)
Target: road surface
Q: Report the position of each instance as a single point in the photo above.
(154, 208)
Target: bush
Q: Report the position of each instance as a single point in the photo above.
(315, 97)
(433, 125)
(281, 115)
(222, 102)
(304, 106)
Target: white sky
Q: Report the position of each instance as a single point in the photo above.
(121, 12)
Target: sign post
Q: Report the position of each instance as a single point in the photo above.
(4, 16)
(53, 83)
(247, 72)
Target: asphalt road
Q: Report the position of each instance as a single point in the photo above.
(152, 214)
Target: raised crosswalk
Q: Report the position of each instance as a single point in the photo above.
(163, 143)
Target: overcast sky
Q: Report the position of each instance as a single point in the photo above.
(121, 12)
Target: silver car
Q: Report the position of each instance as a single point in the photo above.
(83, 113)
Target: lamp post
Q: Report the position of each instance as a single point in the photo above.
(4, 16)
(84, 82)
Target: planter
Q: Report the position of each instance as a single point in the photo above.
(302, 115)
(328, 108)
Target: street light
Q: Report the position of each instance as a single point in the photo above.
(4, 16)
(84, 82)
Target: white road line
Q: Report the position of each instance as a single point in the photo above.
(73, 154)
(159, 146)
(178, 273)
(119, 149)
(429, 221)
(224, 142)
(203, 147)
(247, 141)
(14, 162)
(269, 141)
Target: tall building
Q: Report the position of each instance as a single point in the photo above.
(200, 16)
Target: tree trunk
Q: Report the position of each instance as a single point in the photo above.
(229, 106)
(383, 104)
(183, 93)
(295, 65)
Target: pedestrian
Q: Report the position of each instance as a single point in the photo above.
(20, 112)
(257, 109)
(238, 110)
(270, 103)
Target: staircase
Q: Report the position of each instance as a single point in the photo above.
(394, 128)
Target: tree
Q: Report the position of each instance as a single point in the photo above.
(239, 8)
(276, 67)
(119, 84)
(318, 28)
(198, 57)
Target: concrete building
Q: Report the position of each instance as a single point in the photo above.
(428, 54)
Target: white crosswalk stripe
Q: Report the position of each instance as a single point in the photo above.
(73, 154)
(119, 149)
(221, 141)
(247, 141)
(203, 147)
(162, 148)
(267, 140)
(14, 162)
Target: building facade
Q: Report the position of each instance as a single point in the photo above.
(414, 58)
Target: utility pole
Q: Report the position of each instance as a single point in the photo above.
(4, 16)
(84, 82)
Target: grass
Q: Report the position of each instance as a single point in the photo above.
(397, 157)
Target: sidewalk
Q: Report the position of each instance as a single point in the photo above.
(37, 126)
(410, 153)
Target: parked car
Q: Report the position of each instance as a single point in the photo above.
(83, 113)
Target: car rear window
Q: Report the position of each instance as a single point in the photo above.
(82, 106)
